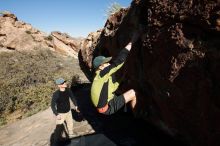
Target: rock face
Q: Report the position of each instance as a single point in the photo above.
(65, 44)
(86, 52)
(18, 35)
(88, 46)
(174, 66)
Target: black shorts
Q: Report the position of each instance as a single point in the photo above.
(116, 103)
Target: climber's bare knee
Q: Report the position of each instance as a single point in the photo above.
(129, 95)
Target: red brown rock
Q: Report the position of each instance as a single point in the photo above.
(174, 66)
(86, 52)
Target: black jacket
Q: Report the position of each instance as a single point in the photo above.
(56, 98)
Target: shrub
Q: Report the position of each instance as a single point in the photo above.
(113, 8)
(2, 121)
(28, 32)
(49, 38)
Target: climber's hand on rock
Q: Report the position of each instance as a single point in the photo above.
(78, 111)
(128, 46)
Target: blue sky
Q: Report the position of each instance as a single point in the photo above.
(75, 17)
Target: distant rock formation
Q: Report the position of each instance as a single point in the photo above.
(174, 66)
(18, 35)
(65, 44)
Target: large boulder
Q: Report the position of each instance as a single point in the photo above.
(64, 45)
(74, 43)
(174, 66)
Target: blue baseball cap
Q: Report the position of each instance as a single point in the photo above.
(99, 60)
(60, 81)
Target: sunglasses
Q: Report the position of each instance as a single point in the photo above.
(63, 83)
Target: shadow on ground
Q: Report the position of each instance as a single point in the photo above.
(120, 129)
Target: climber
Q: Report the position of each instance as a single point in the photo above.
(60, 105)
(104, 85)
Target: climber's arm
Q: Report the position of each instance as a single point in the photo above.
(118, 62)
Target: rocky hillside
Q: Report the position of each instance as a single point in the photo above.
(18, 35)
(174, 66)
(30, 61)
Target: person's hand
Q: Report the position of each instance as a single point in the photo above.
(128, 46)
(58, 117)
(134, 38)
